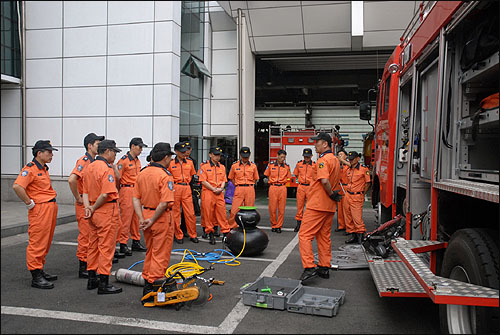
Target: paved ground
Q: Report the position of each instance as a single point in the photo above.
(70, 308)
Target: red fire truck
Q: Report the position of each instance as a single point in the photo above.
(294, 141)
(436, 164)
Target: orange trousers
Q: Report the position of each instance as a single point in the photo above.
(213, 208)
(129, 221)
(316, 224)
(301, 201)
(42, 223)
(83, 233)
(277, 202)
(353, 213)
(104, 225)
(183, 197)
(159, 239)
(340, 215)
(242, 195)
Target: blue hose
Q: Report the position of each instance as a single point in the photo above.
(131, 266)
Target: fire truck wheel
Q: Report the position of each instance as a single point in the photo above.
(471, 256)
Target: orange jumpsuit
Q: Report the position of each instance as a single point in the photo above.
(35, 179)
(213, 206)
(279, 175)
(83, 223)
(357, 177)
(305, 173)
(341, 205)
(318, 217)
(182, 172)
(154, 185)
(99, 178)
(129, 169)
(244, 176)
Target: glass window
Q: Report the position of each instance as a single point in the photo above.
(10, 46)
(386, 94)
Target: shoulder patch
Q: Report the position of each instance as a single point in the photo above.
(124, 156)
(85, 158)
(30, 164)
(111, 179)
(80, 167)
(170, 185)
(321, 165)
(120, 166)
(24, 173)
(367, 172)
(201, 171)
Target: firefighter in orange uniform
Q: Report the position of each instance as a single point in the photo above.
(212, 176)
(244, 175)
(100, 197)
(344, 165)
(153, 200)
(305, 172)
(358, 182)
(33, 186)
(279, 174)
(182, 171)
(320, 209)
(128, 167)
(75, 181)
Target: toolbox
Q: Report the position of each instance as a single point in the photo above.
(268, 292)
(291, 295)
(315, 301)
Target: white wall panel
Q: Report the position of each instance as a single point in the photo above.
(166, 129)
(388, 15)
(224, 112)
(130, 11)
(225, 62)
(167, 37)
(44, 102)
(88, 41)
(11, 160)
(224, 40)
(130, 39)
(43, 14)
(167, 69)
(166, 100)
(11, 131)
(270, 4)
(130, 69)
(84, 71)
(130, 100)
(11, 102)
(168, 10)
(84, 101)
(85, 13)
(44, 129)
(276, 21)
(43, 73)
(327, 19)
(70, 156)
(75, 129)
(280, 43)
(122, 129)
(43, 43)
(382, 38)
(225, 87)
(224, 130)
(328, 41)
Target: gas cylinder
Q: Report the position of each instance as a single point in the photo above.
(255, 239)
(129, 277)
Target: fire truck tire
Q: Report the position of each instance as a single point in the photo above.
(471, 256)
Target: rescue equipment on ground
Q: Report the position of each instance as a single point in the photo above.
(247, 239)
(378, 242)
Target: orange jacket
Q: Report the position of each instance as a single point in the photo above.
(243, 173)
(35, 179)
(278, 173)
(129, 169)
(305, 172)
(99, 178)
(328, 167)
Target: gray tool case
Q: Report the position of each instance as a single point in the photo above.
(291, 295)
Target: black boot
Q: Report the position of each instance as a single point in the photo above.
(119, 254)
(148, 287)
(48, 277)
(297, 227)
(125, 249)
(115, 260)
(82, 271)
(137, 246)
(217, 231)
(203, 235)
(92, 283)
(105, 287)
(39, 281)
(361, 236)
(309, 273)
(212, 238)
(324, 272)
(353, 239)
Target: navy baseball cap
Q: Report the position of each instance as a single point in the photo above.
(245, 152)
(42, 145)
(215, 150)
(352, 155)
(323, 136)
(137, 141)
(91, 138)
(181, 147)
(107, 144)
(307, 152)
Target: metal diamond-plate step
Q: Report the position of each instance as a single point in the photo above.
(477, 190)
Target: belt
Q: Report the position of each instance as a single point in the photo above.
(180, 183)
(277, 184)
(354, 192)
(125, 185)
(305, 184)
(244, 185)
(107, 202)
(153, 209)
(52, 200)
(344, 184)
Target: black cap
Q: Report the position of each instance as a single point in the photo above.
(352, 155)
(42, 145)
(307, 152)
(215, 150)
(245, 152)
(160, 150)
(91, 138)
(323, 136)
(188, 144)
(181, 147)
(137, 141)
(107, 144)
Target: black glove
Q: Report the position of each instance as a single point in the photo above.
(335, 196)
